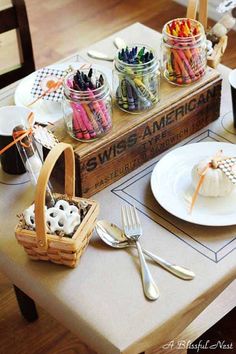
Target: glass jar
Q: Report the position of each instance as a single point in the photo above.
(87, 114)
(184, 56)
(136, 86)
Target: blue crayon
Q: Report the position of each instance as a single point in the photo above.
(135, 97)
(136, 89)
(125, 58)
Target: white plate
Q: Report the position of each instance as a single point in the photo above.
(47, 111)
(171, 185)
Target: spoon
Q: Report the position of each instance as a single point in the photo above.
(118, 42)
(113, 236)
(98, 55)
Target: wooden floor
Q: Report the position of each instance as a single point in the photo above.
(85, 22)
(59, 28)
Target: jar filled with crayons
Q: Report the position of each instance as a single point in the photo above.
(87, 104)
(183, 51)
(136, 78)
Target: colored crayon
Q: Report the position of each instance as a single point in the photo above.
(185, 60)
(98, 110)
(124, 93)
(95, 126)
(81, 130)
(86, 121)
(130, 97)
(91, 118)
(76, 124)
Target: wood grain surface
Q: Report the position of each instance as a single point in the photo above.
(133, 142)
(84, 22)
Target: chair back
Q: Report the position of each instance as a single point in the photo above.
(15, 18)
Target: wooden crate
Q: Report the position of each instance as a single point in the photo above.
(135, 139)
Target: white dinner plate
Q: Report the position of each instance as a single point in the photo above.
(171, 185)
(47, 111)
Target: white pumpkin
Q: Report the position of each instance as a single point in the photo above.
(215, 183)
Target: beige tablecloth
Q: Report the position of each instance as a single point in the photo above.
(102, 299)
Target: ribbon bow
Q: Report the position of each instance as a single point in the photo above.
(21, 134)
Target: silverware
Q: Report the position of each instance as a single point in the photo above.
(98, 55)
(118, 42)
(133, 231)
(113, 236)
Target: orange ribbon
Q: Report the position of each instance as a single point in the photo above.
(21, 134)
(212, 163)
(200, 182)
(53, 86)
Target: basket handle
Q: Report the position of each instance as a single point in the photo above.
(40, 193)
(192, 11)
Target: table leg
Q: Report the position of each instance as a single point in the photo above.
(26, 305)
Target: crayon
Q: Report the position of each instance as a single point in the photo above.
(81, 130)
(124, 93)
(97, 129)
(86, 122)
(143, 90)
(82, 119)
(97, 109)
(135, 96)
(179, 78)
(185, 61)
(130, 97)
(141, 100)
(171, 73)
(97, 117)
(105, 112)
(76, 124)
(91, 116)
(180, 64)
(119, 96)
(132, 56)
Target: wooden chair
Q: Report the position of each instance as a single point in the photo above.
(202, 6)
(15, 17)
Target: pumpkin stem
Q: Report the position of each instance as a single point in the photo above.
(216, 159)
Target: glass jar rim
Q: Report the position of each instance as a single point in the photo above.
(99, 92)
(184, 39)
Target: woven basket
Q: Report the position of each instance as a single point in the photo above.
(39, 245)
(214, 59)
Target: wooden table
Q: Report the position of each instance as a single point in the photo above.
(102, 300)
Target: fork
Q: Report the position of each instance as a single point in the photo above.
(133, 230)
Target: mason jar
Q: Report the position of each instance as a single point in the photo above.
(136, 86)
(87, 114)
(184, 55)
